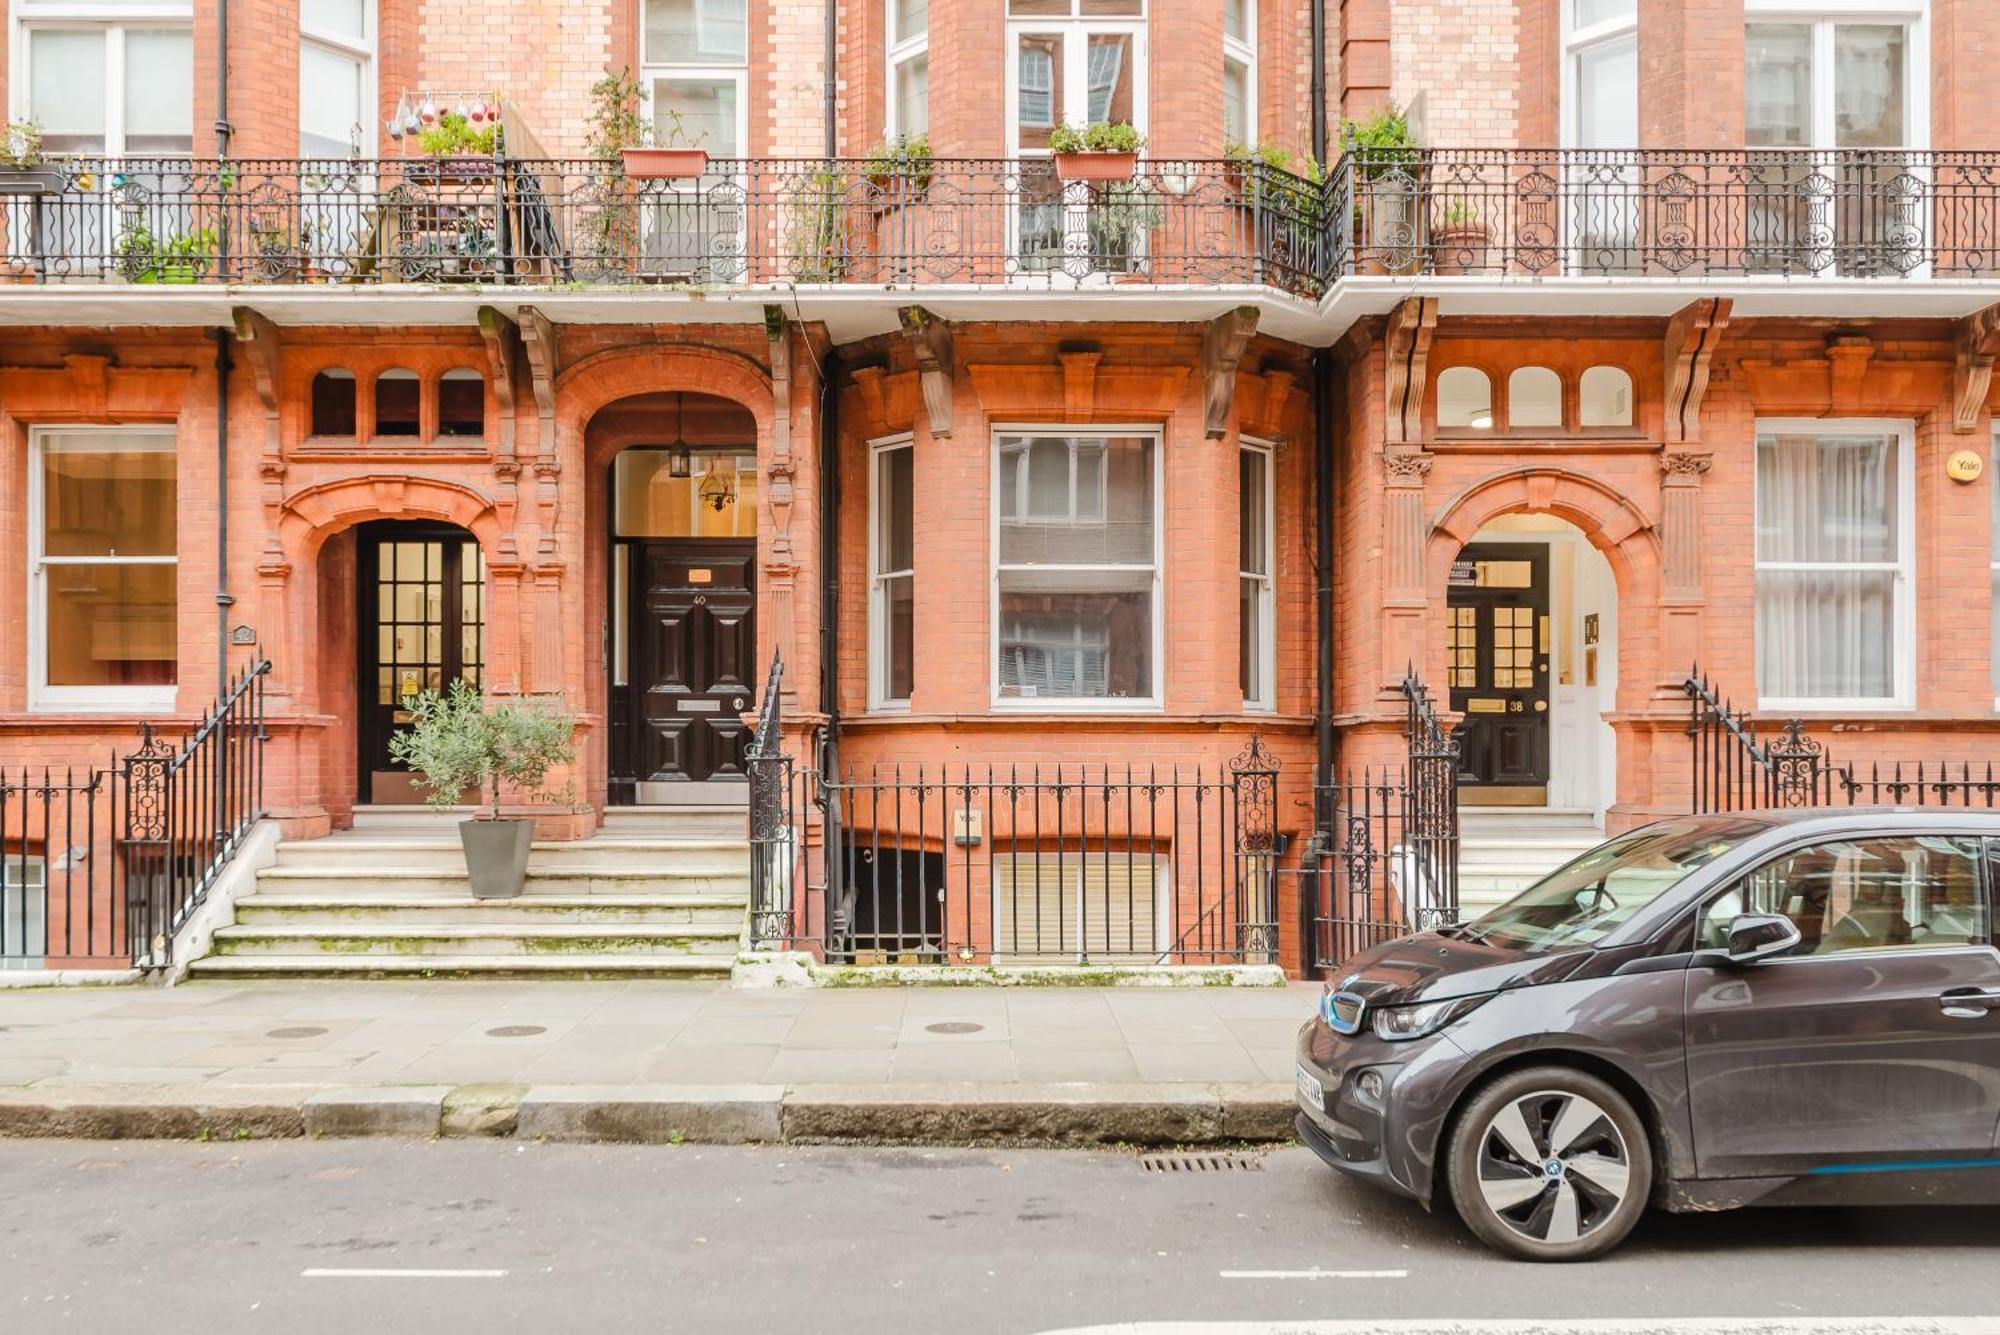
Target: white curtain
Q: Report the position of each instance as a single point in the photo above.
(1827, 549)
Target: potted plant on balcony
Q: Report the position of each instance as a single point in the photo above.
(898, 173)
(817, 236)
(459, 149)
(21, 168)
(1459, 239)
(457, 743)
(681, 158)
(1387, 183)
(900, 168)
(142, 258)
(1100, 151)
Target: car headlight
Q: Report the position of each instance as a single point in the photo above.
(1398, 1023)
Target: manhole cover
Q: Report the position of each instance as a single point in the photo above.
(298, 1031)
(953, 1027)
(516, 1031)
(1201, 1163)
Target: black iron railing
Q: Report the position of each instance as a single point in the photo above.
(775, 835)
(99, 869)
(1386, 862)
(1738, 764)
(742, 221)
(187, 810)
(1057, 865)
(1857, 213)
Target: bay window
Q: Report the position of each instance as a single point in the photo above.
(1256, 562)
(891, 572)
(1834, 552)
(908, 102)
(116, 87)
(696, 56)
(336, 77)
(1076, 579)
(101, 567)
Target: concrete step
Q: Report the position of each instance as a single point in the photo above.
(722, 821)
(486, 941)
(347, 850)
(572, 967)
(347, 911)
(336, 881)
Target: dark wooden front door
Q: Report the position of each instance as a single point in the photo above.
(418, 620)
(693, 652)
(1497, 620)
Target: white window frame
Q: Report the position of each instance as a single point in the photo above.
(1266, 697)
(112, 19)
(83, 699)
(737, 72)
(1576, 43)
(1074, 77)
(1903, 659)
(1244, 53)
(879, 699)
(1824, 15)
(343, 44)
(1156, 669)
(902, 48)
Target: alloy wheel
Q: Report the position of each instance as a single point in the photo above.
(1553, 1166)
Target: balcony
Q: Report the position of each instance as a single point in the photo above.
(1753, 213)
(756, 223)
(1917, 229)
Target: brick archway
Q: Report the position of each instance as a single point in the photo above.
(1624, 534)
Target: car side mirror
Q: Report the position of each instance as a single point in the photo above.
(1759, 936)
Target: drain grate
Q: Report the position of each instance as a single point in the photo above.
(1201, 1163)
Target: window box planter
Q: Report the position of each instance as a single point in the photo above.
(1096, 166)
(31, 181)
(170, 273)
(669, 164)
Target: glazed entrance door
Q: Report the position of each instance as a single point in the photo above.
(418, 621)
(1497, 613)
(693, 662)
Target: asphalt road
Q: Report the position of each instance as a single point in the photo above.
(380, 1236)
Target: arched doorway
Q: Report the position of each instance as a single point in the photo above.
(420, 618)
(1531, 628)
(682, 565)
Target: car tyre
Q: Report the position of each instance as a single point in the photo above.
(1550, 1164)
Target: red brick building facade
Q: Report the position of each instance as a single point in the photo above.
(1662, 348)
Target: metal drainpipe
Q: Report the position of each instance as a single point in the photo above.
(1323, 541)
(224, 600)
(832, 54)
(223, 129)
(1319, 137)
(829, 541)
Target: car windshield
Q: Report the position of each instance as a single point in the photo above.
(1584, 900)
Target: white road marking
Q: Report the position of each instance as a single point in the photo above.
(401, 1274)
(1945, 1325)
(1314, 1274)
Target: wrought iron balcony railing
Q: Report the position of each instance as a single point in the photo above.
(1874, 213)
(1500, 213)
(497, 220)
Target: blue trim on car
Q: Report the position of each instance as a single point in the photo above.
(1909, 1166)
(1330, 1007)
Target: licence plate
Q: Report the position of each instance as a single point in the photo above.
(1311, 1092)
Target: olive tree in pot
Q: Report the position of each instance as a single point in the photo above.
(458, 743)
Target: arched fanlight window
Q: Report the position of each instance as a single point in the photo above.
(1465, 398)
(333, 402)
(1534, 398)
(1604, 397)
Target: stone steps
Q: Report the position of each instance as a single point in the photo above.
(662, 896)
(489, 940)
(1502, 852)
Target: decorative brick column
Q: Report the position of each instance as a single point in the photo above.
(1405, 533)
(1681, 593)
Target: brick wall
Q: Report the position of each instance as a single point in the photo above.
(1457, 65)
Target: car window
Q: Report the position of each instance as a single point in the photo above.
(1864, 894)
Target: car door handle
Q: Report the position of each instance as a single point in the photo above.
(1969, 1003)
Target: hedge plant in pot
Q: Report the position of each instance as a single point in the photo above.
(458, 742)
(1388, 172)
(1099, 151)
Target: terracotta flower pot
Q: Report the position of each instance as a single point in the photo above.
(1460, 248)
(664, 163)
(1096, 166)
